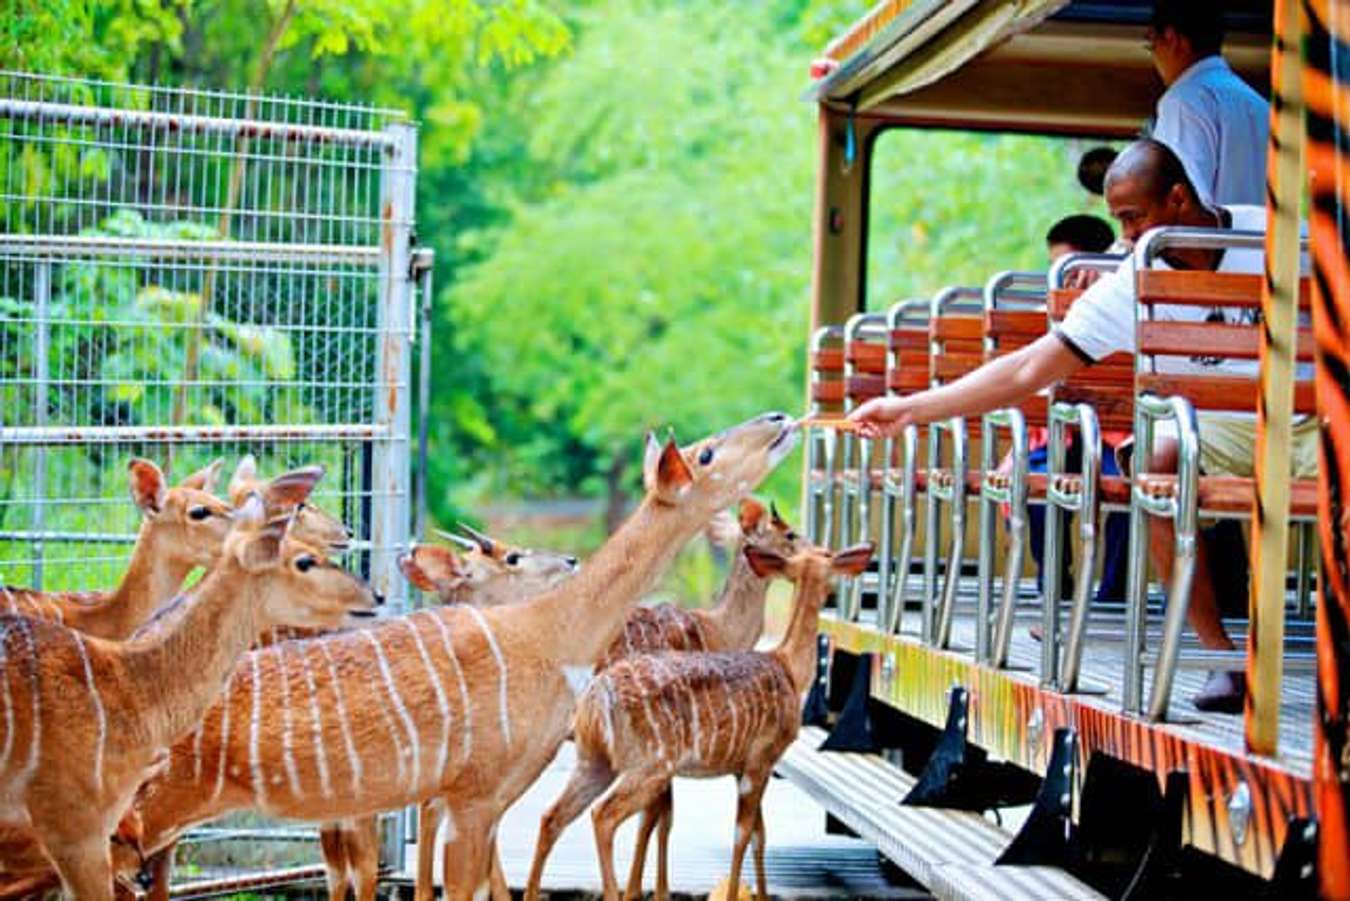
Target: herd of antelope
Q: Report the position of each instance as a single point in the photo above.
(128, 716)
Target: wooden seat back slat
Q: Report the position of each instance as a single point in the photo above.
(865, 357)
(1211, 339)
(958, 327)
(865, 387)
(1004, 325)
(1193, 288)
(910, 339)
(827, 392)
(907, 381)
(828, 359)
(1229, 393)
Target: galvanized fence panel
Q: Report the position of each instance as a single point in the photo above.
(192, 274)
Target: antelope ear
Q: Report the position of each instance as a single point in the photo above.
(851, 561)
(751, 514)
(778, 521)
(204, 479)
(148, 490)
(414, 573)
(262, 549)
(673, 476)
(245, 474)
(251, 511)
(651, 457)
(290, 489)
(764, 563)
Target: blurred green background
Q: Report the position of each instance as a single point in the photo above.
(619, 193)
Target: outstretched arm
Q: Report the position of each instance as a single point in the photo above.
(1001, 383)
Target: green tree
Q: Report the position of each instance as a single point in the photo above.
(656, 274)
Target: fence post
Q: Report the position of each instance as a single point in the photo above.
(42, 341)
(390, 464)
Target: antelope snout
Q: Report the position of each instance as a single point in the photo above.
(379, 599)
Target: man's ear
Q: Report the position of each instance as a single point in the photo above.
(148, 490)
(290, 489)
(204, 479)
(764, 563)
(750, 515)
(852, 561)
(245, 474)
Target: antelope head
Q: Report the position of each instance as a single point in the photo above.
(810, 561)
(767, 530)
(290, 491)
(187, 520)
(718, 471)
(298, 584)
(487, 572)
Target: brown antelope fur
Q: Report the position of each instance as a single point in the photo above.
(461, 703)
(84, 721)
(182, 528)
(652, 717)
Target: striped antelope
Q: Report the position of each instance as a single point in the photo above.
(489, 572)
(461, 703)
(182, 528)
(84, 721)
(733, 624)
(652, 717)
(177, 527)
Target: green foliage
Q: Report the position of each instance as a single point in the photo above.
(944, 205)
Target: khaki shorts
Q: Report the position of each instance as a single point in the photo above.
(1228, 445)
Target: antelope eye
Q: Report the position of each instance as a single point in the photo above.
(512, 559)
(199, 513)
(304, 563)
(791, 536)
(705, 456)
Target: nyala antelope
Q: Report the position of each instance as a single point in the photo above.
(182, 528)
(487, 573)
(459, 703)
(652, 717)
(84, 721)
(734, 623)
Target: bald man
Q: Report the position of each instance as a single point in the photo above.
(1146, 187)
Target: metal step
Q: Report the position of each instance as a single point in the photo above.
(864, 791)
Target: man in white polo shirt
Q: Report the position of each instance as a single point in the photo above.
(1146, 187)
(1209, 116)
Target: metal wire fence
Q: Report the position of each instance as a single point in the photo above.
(190, 274)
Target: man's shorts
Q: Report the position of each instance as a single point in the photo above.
(1228, 445)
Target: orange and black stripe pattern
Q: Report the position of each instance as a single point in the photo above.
(1327, 95)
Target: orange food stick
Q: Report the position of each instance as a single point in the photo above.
(829, 422)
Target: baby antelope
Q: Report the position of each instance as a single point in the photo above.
(650, 718)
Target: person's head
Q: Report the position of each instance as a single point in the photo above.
(1079, 234)
(1092, 168)
(1182, 32)
(1147, 187)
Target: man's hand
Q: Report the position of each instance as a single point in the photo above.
(883, 417)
